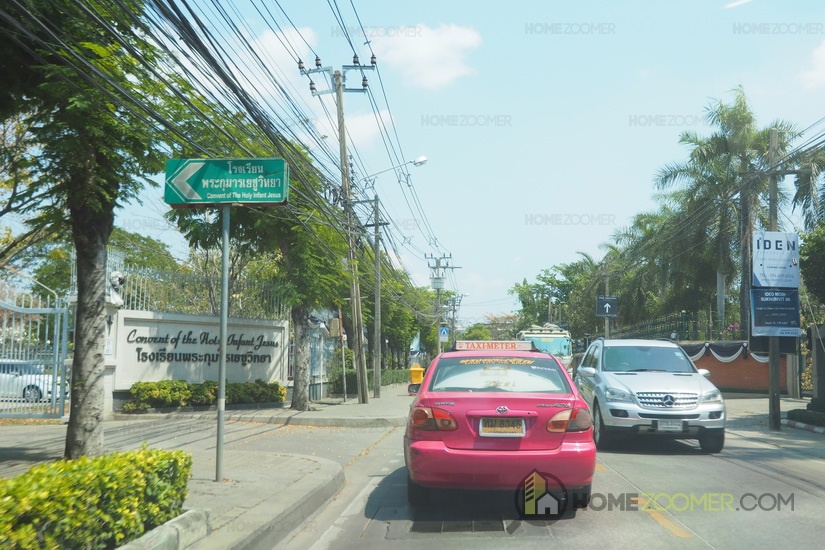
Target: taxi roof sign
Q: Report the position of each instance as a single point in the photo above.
(494, 345)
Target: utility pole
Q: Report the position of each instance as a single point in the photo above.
(341, 334)
(774, 420)
(607, 293)
(437, 283)
(774, 388)
(377, 339)
(456, 304)
(339, 80)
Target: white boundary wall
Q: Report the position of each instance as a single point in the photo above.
(144, 346)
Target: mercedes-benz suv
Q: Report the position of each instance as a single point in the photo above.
(650, 387)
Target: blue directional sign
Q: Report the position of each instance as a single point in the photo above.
(205, 182)
(607, 306)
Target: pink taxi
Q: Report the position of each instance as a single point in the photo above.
(490, 414)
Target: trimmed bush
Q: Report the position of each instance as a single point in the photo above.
(204, 394)
(178, 393)
(388, 377)
(166, 393)
(101, 502)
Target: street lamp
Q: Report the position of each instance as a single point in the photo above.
(418, 161)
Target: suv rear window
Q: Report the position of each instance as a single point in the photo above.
(499, 374)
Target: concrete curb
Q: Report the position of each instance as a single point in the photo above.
(176, 534)
(315, 497)
(295, 419)
(802, 426)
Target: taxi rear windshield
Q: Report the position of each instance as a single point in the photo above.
(498, 374)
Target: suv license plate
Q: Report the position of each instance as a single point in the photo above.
(669, 426)
(502, 427)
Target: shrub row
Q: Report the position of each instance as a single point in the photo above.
(179, 393)
(91, 503)
(388, 377)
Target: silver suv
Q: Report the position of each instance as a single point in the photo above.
(650, 387)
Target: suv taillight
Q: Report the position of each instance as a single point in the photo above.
(570, 420)
(426, 418)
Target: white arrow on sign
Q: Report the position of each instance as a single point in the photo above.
(607, 308)
(181, 180)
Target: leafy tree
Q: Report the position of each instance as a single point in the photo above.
(76, 99)
(478, 331)
(502, 327)
(812, 262)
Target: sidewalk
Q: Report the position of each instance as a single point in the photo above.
(259, 511)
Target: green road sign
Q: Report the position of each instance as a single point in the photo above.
(205, 182)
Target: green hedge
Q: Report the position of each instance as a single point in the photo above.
(92, 503)
(179, 393)
(388, 377)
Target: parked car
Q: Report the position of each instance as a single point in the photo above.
(489, 414)
(25, 380)
(650, 387)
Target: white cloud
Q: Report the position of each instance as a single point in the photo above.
(814, 78)
(427, 57)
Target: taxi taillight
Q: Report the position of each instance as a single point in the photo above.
(570, 420)
(426, 418)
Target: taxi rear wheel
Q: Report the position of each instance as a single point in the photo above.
(581, 496)
(416, 494)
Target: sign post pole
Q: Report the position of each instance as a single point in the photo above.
(225, 182)
(222, 348)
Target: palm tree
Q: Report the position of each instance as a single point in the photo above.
(731, 163)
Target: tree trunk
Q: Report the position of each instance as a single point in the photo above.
(84, 436)
(745, 229)
(300, 376)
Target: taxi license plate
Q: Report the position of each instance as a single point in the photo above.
(669, 425)
(502, 427)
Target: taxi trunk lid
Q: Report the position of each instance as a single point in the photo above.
(497, 422)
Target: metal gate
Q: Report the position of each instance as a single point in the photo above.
(33, 349)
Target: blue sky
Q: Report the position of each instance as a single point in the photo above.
(544, 122)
